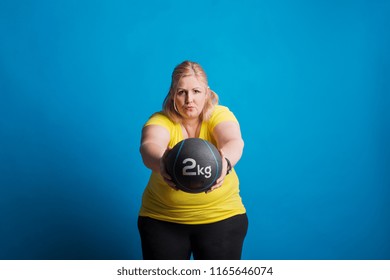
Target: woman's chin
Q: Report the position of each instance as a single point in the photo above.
(191, 114)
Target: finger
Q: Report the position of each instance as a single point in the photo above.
(220, 180)
(216, 186)
(167, 179)
(224, 163)
(171, 184)
(165, 174)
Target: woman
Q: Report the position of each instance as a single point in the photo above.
(174, 224)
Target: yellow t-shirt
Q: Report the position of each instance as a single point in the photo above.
(161, 202)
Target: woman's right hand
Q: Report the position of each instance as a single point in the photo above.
(163, 171)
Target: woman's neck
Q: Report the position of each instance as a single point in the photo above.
(191, 128)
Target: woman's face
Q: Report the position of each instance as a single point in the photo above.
(190, 97)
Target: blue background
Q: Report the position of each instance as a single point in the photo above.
(309, 82)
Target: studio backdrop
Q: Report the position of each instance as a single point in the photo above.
(307, 80)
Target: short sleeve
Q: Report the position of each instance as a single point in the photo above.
(221, 114)
(160, 119)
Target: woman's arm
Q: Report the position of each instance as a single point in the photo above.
(230, 144)
(154, 146)
(229, 140)
(154, 143)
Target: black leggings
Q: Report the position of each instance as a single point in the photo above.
(170, 241)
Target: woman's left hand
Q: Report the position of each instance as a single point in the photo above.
(220, 180)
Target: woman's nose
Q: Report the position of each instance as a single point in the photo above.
(189, 98)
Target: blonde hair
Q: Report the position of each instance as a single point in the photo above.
(185, 69)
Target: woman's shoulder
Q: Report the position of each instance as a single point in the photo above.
(219, 109)
(159, 118)
(220, 114)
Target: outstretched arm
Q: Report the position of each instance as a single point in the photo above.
(154, 146)
(230, 144)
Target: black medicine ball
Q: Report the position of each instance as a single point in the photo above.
(194, 165)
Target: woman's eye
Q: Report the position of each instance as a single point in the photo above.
(181, 92)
